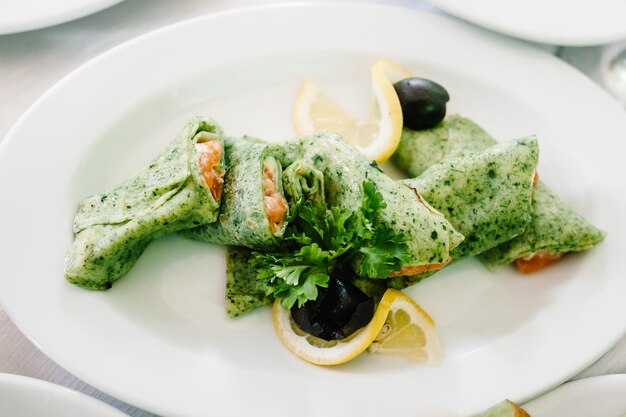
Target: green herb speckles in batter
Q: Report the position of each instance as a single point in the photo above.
(456, 136)
(302, 180)
(243, 220)
(113, 229)
(344, 169)
(487, 196)
(554, 227)
(244, 292)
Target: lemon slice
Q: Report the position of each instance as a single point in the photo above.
(378, 136)
(413, 337)
(408, 331)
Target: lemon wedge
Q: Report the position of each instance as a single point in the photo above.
(378, 136)
(408, 331)
(399, 327)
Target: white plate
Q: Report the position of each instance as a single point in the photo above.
(27, 397)
(601, 396)
(160, 339)
(558, 22)
(23, 15)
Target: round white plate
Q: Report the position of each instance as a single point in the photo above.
(160, 339)
(601, 396)
(28, 397)
(23, 15)
(557, 22)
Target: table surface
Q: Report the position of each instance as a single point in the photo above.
(32, 62)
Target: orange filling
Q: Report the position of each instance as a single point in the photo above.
(208, 160)
(416, 269)
(536, 261)
(535, 179)
(275, 204)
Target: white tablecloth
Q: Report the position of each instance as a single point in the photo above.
(32, 62)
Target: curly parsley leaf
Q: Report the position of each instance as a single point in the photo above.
(319, 241)
(385, 254)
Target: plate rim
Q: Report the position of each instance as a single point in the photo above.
(64, 16)
(452, 7)
(65, 394)
(578, 385)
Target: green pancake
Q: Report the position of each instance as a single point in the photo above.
(303, 181)
(487, 196)
(430, 237)
(500, 178)
(113, 229)
(244, 292)
(420, 149)
(242, 219)
(555, 227)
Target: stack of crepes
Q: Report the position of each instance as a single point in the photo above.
(554, 227)
(488, 191)
(181, 191)
(468, 196)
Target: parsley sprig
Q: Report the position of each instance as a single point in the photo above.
(321, 241)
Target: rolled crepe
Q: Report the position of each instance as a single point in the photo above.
(430, 237)
(487, 196)
(555, 228)
(302, 181)
(243, 217)
(113, 229)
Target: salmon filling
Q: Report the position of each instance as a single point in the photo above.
(536, 261)
(208, 161)
(274, 203)
(416, 269)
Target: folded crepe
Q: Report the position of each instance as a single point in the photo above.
(430, 237)
(253, 207)
(244, 292)
(487, 196)
(179, 189)
(555, 228)
(418, 150)
(302, 181)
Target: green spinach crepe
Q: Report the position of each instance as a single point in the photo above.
(173, 193)
(253, 205)
(244, 292)
(302, 181)
(555, 228)
(430, 237)
(487, 196)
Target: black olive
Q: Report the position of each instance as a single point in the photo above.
(423, 102)
(339, 311)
